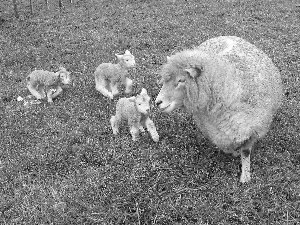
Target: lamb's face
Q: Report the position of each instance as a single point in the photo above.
(142, 102)
(127, 59)
(65, 76)
(172, 92)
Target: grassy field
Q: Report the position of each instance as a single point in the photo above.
(61, 164)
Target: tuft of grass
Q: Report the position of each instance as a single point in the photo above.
(61, 164)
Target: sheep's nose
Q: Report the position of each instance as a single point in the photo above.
(158, 102)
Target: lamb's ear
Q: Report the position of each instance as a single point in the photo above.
(61, 68)
(131, 99)
(119, 57)
(127, 52)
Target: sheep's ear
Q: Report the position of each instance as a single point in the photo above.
(192, 90)
(191, 84)
(194, 71)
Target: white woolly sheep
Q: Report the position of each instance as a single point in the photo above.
(231, 87)
(109, 76)
(136, 111)
(42, 83)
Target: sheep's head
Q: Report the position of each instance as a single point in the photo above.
(142, 102)
(64, 75)
(179, 83)
(127, 59)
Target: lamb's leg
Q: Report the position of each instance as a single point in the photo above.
(152, 129)
(101, 88)
(114, 124)
(49, 96)
(35, 92)
(245, 150)
(58, 91)
(114, 88)
(128, 85)
(134, 131)
(141, 128)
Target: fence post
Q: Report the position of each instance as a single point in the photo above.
(31, 6)
(16, 9)
(60, 4)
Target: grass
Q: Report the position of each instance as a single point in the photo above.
(61, 164)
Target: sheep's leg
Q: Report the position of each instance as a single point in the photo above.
(152, 129)
(245, 150)
(128, 85)
(134, 131)
(36, 92)
(57, 92)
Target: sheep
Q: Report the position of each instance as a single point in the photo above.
(231, 88)
(42, 83)
(109, 76)
(136, 111)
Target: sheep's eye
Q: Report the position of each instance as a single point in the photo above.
(181, 80)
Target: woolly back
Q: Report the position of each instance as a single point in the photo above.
(234, 70)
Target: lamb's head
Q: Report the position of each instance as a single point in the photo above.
(179, 84)
(142, 102)
(127, 59)
(64, 75)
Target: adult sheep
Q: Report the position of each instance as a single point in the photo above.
(232, 89)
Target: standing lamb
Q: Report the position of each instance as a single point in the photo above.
(109, 76)
(232, 89)
(136, 111)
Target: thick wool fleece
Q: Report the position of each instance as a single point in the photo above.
(239, 89)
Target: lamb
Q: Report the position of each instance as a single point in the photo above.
(136, 111)
(42, 83)
(109, 76)
(231, 88)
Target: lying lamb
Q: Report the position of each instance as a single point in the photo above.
(136, 111)
(42, 83)
(232, 88)
(109, 76)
